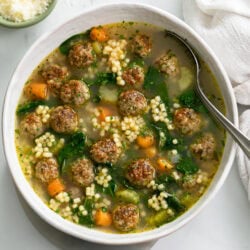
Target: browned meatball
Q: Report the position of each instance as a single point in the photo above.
(133, 76)
(46, 170)
(140, 172)
(187, 121)
(74, 92)
(169, 64)
(32, 125)
(83, 172)
(204, 147)
(81, 55)
(54, 75)
(64, 119)
(132, 102)
(126, 217)
(142, 45)
(105, 151)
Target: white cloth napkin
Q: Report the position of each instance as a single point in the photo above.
(225, 26)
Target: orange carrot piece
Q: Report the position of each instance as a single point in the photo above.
(37, 90)
(103, 218)
(150, 152)
(145, 141)
(163, 165)
(55, 187)
(104, 112)
(98, 34)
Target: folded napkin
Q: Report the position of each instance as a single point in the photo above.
(225, 26)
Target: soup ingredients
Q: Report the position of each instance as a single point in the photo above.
(132, 102)
(36, 91)
(142, 45)
(27, 107)
(55, 187)
(187, 121)
(140, 172)
(47, 170)
(105, 151)
(129, 196)
(64, 119)
(22, 10)
(98, 34)
(32, 125)
(81, 55)
(186, 78)
(204, 147)
(126, 217)
(103, 218)
(133, 76)
(168, 64)
(187, 166)
(74, 92)
(145, 141)
(83, 172)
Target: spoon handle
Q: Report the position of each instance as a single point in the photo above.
(240, 138)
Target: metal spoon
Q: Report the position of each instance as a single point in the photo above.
(237, 135)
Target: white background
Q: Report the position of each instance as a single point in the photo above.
(223, 225)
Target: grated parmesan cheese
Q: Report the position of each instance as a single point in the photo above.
(22, 10)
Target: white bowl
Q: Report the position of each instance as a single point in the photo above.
(44, 45)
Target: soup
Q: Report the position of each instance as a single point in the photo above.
(110, 133)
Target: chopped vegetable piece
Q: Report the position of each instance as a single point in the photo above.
(104, 112)
(103, 218)
(164, 165)
(73, 149)
(155, 82)
(88, 219)
(36, 90)
(150, 152)
(55, 187)
(97, 47)
(108, 93)
(136, 62)
(145, 141)
(187, 166)
(128, 195)
(186, 78)
(25, 108)
(159, 218)
(175, 204)
(98, 34)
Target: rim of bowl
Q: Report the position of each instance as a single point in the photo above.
(38, 18)
(93, 235)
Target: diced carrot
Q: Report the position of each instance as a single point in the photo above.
(55, 187)
(163, 165)
(36, 90)
(145, 141)
(104, 112)
(150, 152)
(98, 34)
(103, 218)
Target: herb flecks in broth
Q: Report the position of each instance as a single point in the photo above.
(110, 133)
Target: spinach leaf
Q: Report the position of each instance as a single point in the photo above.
(187, 166)
(88, 219)
(67, 44)
(136, 62)
(175, 204)
(25, 108)
(155, 83)
(191, 100)
(74, 148)
(102, 79)
(110, 190)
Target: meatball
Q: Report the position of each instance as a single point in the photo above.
(83, 172)
(204, 147)
(63, 119)
(32, 125)
(132, 102)
(134, 76)
(54, 75)
(187, 121)
(75, 92)
(126, 217)
(81, 55)
(142, 45)
(140, 172)
(46, 170)
(169, 64)
(105, 151)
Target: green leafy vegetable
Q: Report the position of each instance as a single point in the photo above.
(25, 108)
(136, 62)
(187, 166)
(110, 190)
(175, 204)
(73, 149)
(102, 79)
(155, 82)
(191, 100)
(66, 45)
(88, 219)
(96, 99)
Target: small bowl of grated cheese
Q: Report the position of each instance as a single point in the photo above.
(24, 13)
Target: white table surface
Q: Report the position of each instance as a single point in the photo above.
(223, 225)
